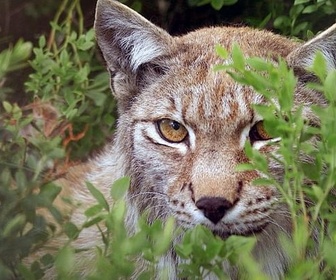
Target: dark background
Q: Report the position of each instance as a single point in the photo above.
(29, 19)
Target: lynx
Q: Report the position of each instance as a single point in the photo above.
(181, 133)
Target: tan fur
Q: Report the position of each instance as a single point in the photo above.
(155, 76)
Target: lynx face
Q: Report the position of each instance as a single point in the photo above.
(182, 127)
(186, 143)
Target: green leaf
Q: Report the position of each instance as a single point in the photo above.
(86, 46)
(25, 272)
(71, 230)
(265, 21)
(329, 86)
(220, 67)
(50, 191)
(262, 182)
(7, 106)
(258, 64)
(222, 52)
(281, 21)
(244, 167)
(137, 6)
(93, 221)
(47, 260)
(64, 57)
(164, 241)
(300, 27)
(217, 4)
(13, 225)
(98, 196)
(64, 261)
(93, 210)
(229, 2)
(310, 35)
(97, 97)
(120, 187)
(310, 9)
(298, 2)
(311, 171)
(42, 42)
(238, 58)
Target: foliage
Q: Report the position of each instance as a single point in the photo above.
(204, 255)
(302, 16)
(292, 18)
(71, 103)
(306, 152)
(67, 75)
(216, 4)
(117, 258)
(12, 59)
(25, 186)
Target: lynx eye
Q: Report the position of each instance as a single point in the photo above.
(172, 131)
(258, 132)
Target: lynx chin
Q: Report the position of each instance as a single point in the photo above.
(181, 133)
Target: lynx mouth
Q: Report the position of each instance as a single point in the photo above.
(244, 232)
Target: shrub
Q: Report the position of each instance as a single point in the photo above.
(68, 77)
(303, 181)
(71, 111)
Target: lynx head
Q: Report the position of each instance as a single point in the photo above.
(182, 126)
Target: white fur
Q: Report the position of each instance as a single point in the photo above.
(143, 48)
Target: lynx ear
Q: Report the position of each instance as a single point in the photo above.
(303, 56)
(127, 40)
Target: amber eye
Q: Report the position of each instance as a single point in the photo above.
(258, 133)
(171, 130)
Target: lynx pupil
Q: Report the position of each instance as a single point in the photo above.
(175, 125)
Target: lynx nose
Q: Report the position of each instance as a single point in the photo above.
(214, 208)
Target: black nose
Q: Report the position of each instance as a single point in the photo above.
(214, 208)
